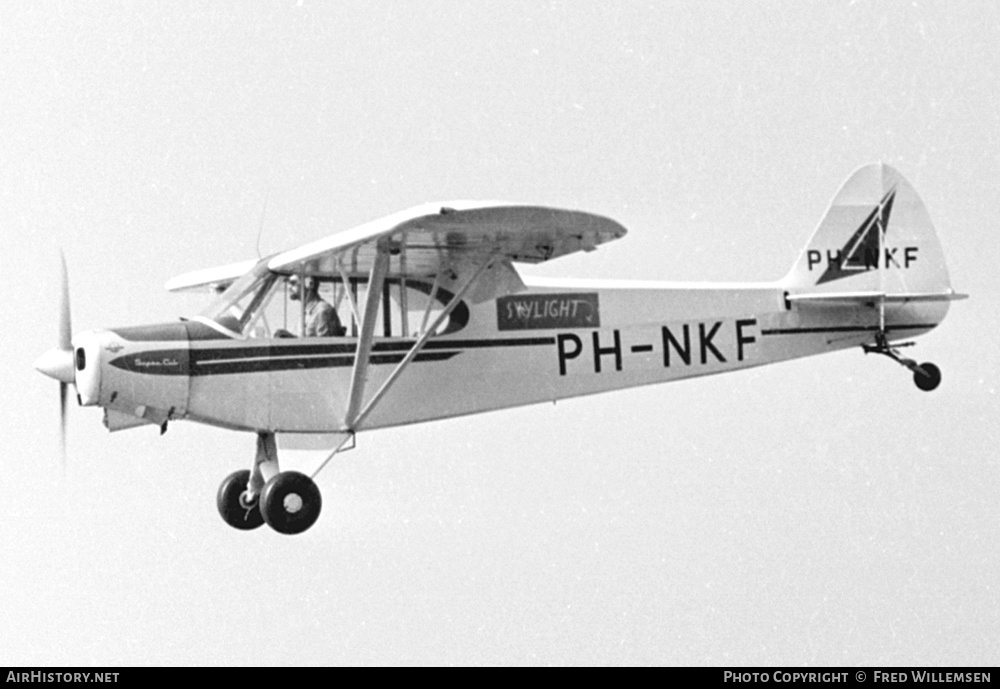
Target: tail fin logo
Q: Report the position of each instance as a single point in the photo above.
(861, 252)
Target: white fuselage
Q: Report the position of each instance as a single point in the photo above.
(557, 339)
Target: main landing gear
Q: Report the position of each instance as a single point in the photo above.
(237, 507)
(289, 502)
(926, 376)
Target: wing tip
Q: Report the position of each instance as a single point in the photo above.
(209, 278)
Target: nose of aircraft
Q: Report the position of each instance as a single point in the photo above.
(57, 363)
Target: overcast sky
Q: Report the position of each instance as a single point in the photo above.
(822, 511)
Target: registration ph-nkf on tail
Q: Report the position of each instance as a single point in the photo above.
(437, 322)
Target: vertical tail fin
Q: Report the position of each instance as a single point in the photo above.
(876, 237)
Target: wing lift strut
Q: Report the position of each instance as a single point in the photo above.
(289, 501)
(357, 408)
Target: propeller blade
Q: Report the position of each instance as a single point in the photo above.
(58, 362)
(63, 390)
(65, 322)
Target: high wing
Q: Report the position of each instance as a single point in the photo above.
(437, 240)
(452, 238)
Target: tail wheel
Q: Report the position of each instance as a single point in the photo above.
(927, 377)
(235, 509)
(290, 502)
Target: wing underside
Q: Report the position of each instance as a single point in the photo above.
(441, 241)
(449, 237)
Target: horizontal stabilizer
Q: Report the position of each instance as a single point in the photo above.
(872, 298)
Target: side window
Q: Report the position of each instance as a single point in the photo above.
(420, 309)
(273, 308)
(306, 313)
(269, 312)
(405, 309)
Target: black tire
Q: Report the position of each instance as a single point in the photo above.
(929, 379)
(235, 510)
(290, 502)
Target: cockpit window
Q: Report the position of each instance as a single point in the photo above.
(262, 304)
(240, 305)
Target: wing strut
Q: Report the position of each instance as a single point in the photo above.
(350, 293)
(354, 420)
(430, 301)
(376, 281)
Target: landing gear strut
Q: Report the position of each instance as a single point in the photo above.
(926, 376)
(289, 502)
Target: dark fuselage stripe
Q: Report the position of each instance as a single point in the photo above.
(291, 356)
(214, 367)
(273, 349)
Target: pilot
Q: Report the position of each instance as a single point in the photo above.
(321, 318)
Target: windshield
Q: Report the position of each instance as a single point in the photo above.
(237, 308)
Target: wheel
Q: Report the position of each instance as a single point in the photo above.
(928, 378)
(290, 502)
(233, 506)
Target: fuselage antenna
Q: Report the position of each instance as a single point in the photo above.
(260, 228)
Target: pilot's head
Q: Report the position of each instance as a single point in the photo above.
(310, 287)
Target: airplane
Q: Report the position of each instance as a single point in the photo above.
(436, 322)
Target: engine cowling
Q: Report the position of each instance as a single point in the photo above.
(140, 371)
